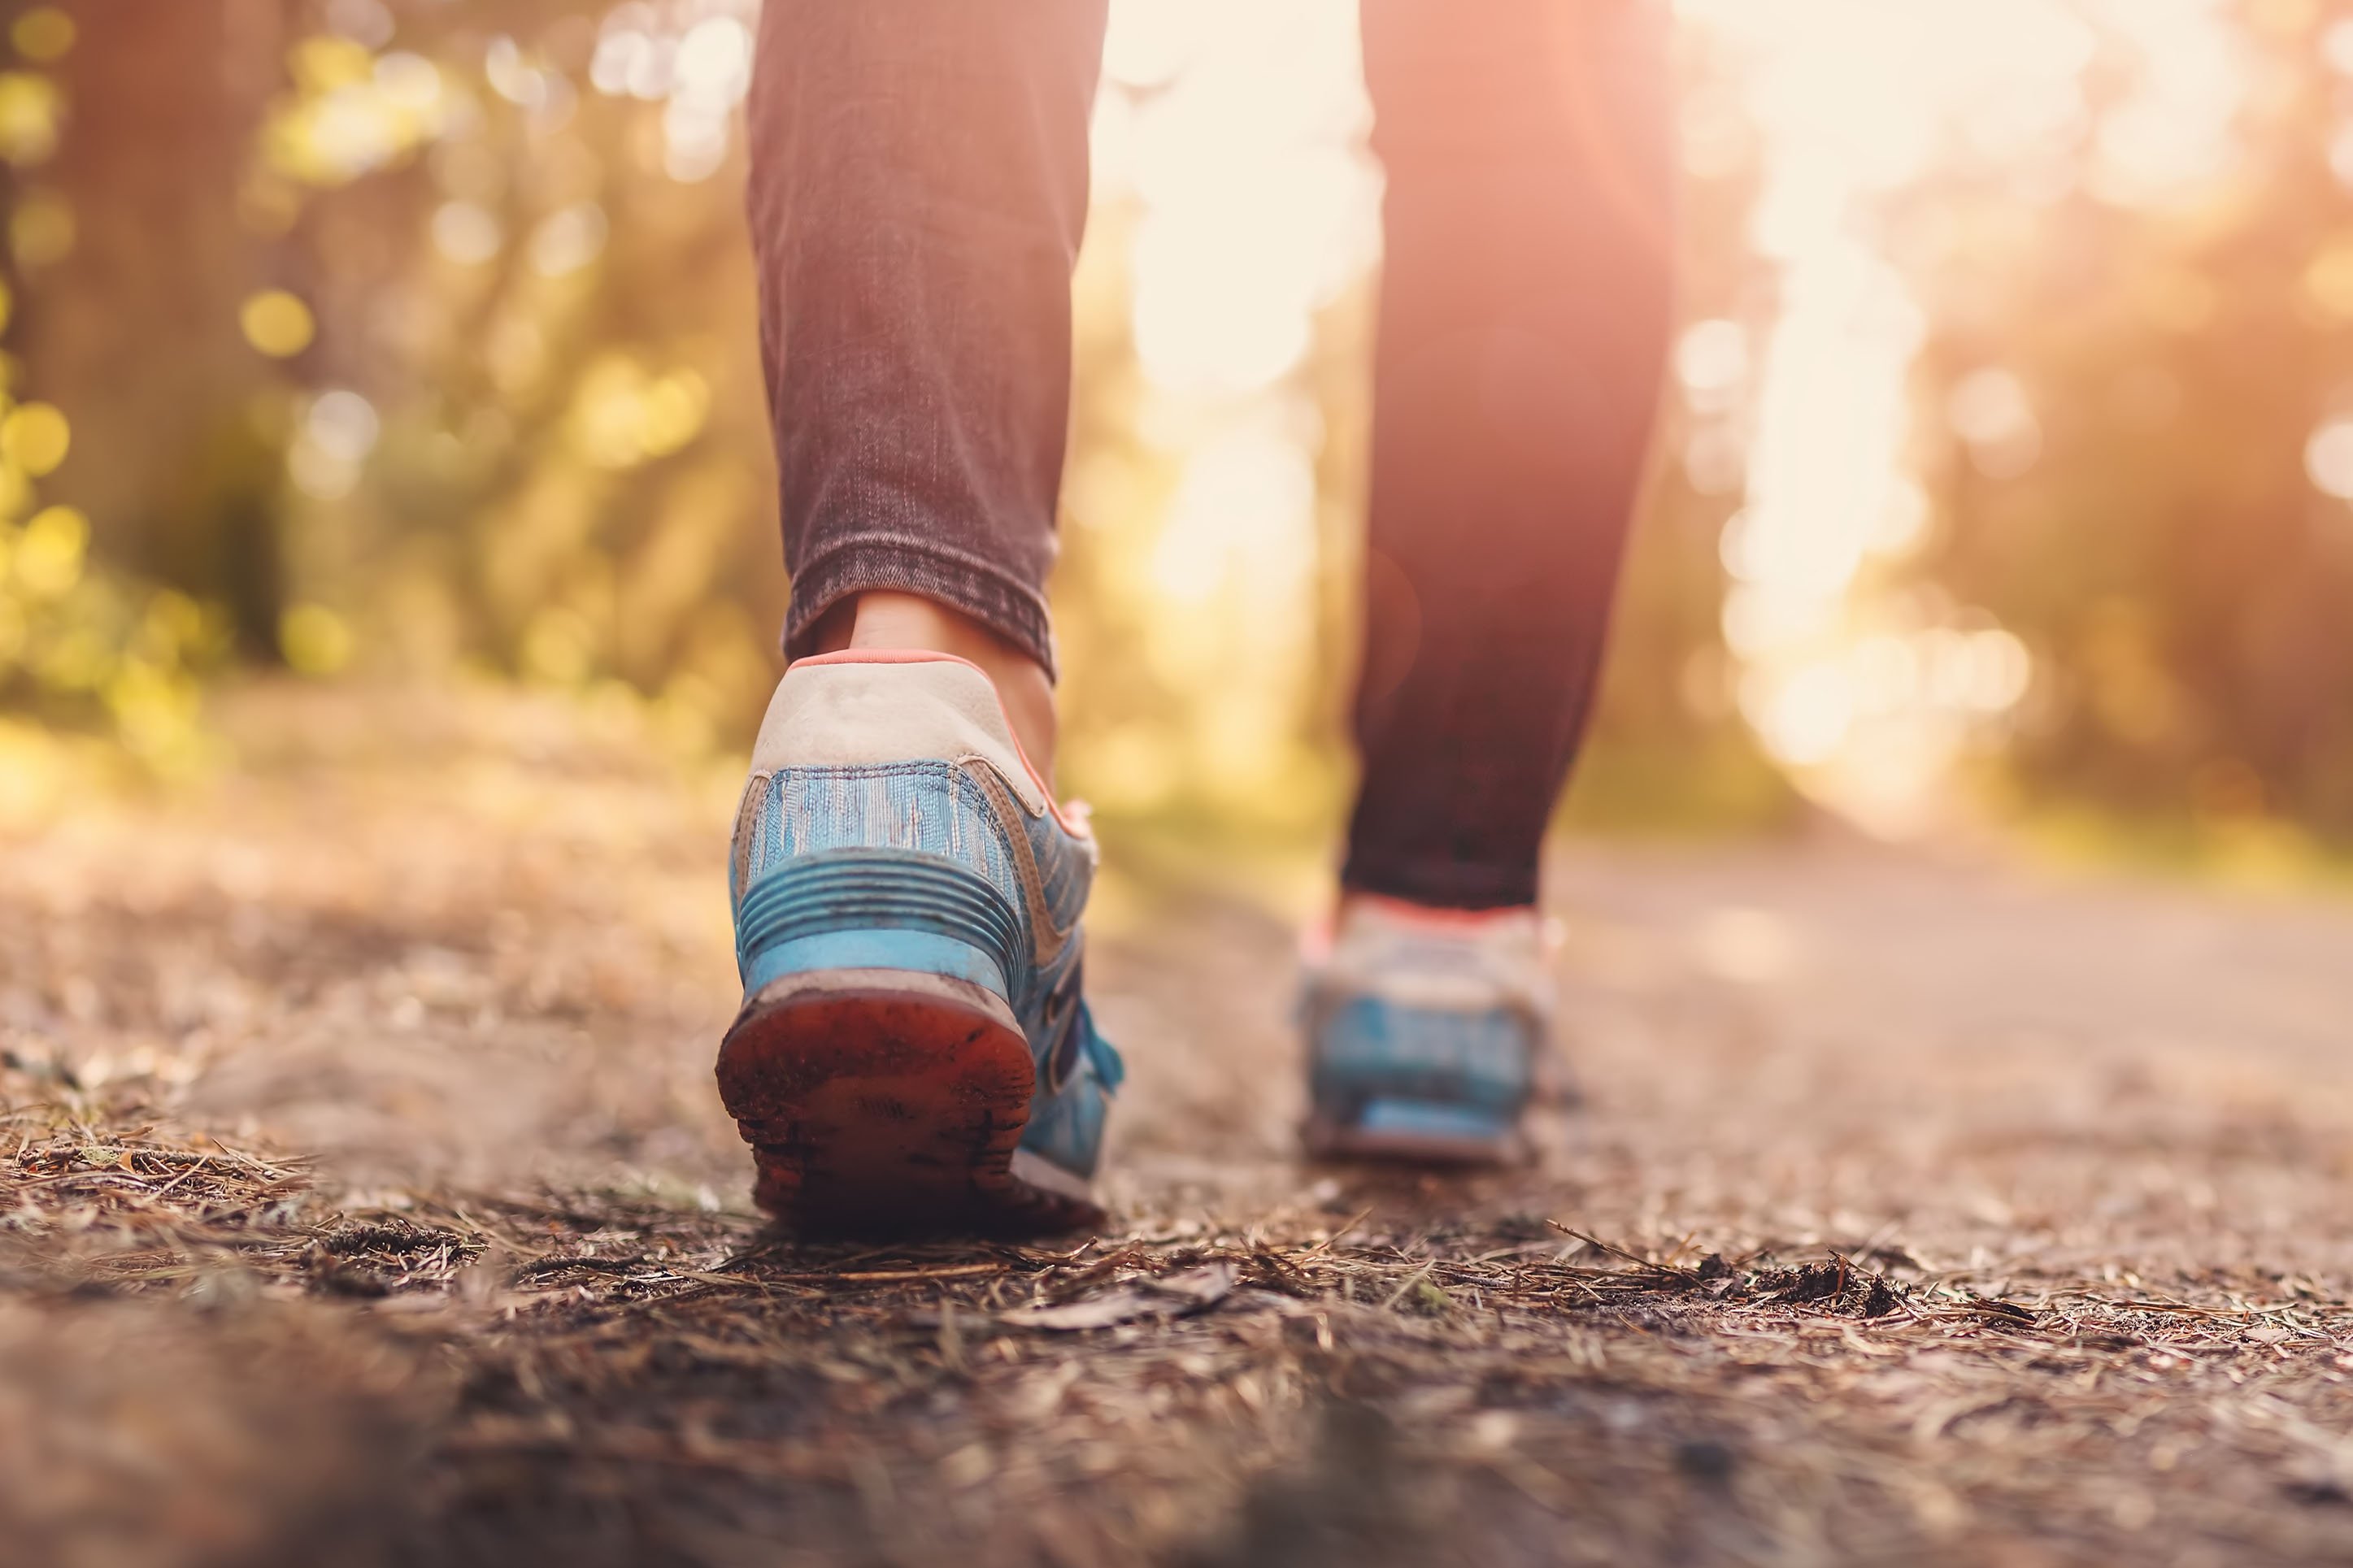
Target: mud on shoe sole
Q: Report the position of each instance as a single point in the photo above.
(891, 1101)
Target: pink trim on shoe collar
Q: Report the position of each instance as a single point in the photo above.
(1074, 817)
(886, 656)
(1430, 915)
(1322, 932)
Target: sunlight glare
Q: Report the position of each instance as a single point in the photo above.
(1257, 202)
(1855, 99)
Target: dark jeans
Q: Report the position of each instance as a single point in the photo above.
(919, 187)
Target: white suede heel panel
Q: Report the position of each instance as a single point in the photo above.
(841, 715)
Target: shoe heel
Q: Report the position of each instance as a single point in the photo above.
(1425, 1084)
(877, 1069)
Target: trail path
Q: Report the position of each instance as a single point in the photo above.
(363, 1198)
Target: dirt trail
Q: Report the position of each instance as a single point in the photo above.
(363, 1198)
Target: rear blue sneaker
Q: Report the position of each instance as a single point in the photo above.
(914, 1050)
(1427, 1033)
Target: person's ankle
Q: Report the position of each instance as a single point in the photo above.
(887, 620)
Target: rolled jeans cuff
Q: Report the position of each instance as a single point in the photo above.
(1005, 604)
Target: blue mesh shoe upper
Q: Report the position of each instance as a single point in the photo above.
(1425, 1032)
(935, 864)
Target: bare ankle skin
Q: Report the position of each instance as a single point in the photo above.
(882, 620)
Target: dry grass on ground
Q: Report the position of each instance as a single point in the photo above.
(362, 1200)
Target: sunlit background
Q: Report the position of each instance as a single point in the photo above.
(2007, 473)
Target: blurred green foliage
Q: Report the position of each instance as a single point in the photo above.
(77, 637)
(416, 339)
(447, 363)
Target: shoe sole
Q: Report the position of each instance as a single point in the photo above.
(1325, 1140)
(892, 1102)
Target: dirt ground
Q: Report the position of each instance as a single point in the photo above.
(363, 1198)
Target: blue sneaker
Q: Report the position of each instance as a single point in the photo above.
(1428, 1031)
(913, 1051)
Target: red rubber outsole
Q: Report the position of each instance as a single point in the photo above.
(882, 1103)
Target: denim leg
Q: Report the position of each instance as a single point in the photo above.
(1524, 314)
(918, 191)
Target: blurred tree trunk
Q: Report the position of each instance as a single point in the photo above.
(135, 334)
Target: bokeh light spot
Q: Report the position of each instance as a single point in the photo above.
(323, 63)
(43, 33)
(2328, 279)
(1988, 410)
(2328, 459)
(277, 323)
(567, 241)
(34, 437)
(341, 424)
(466, 234)
(30, 108)
(314, 639)
(621, 417)
(1711, 362)
(49, 556)
(364, 22)
(337, 434)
